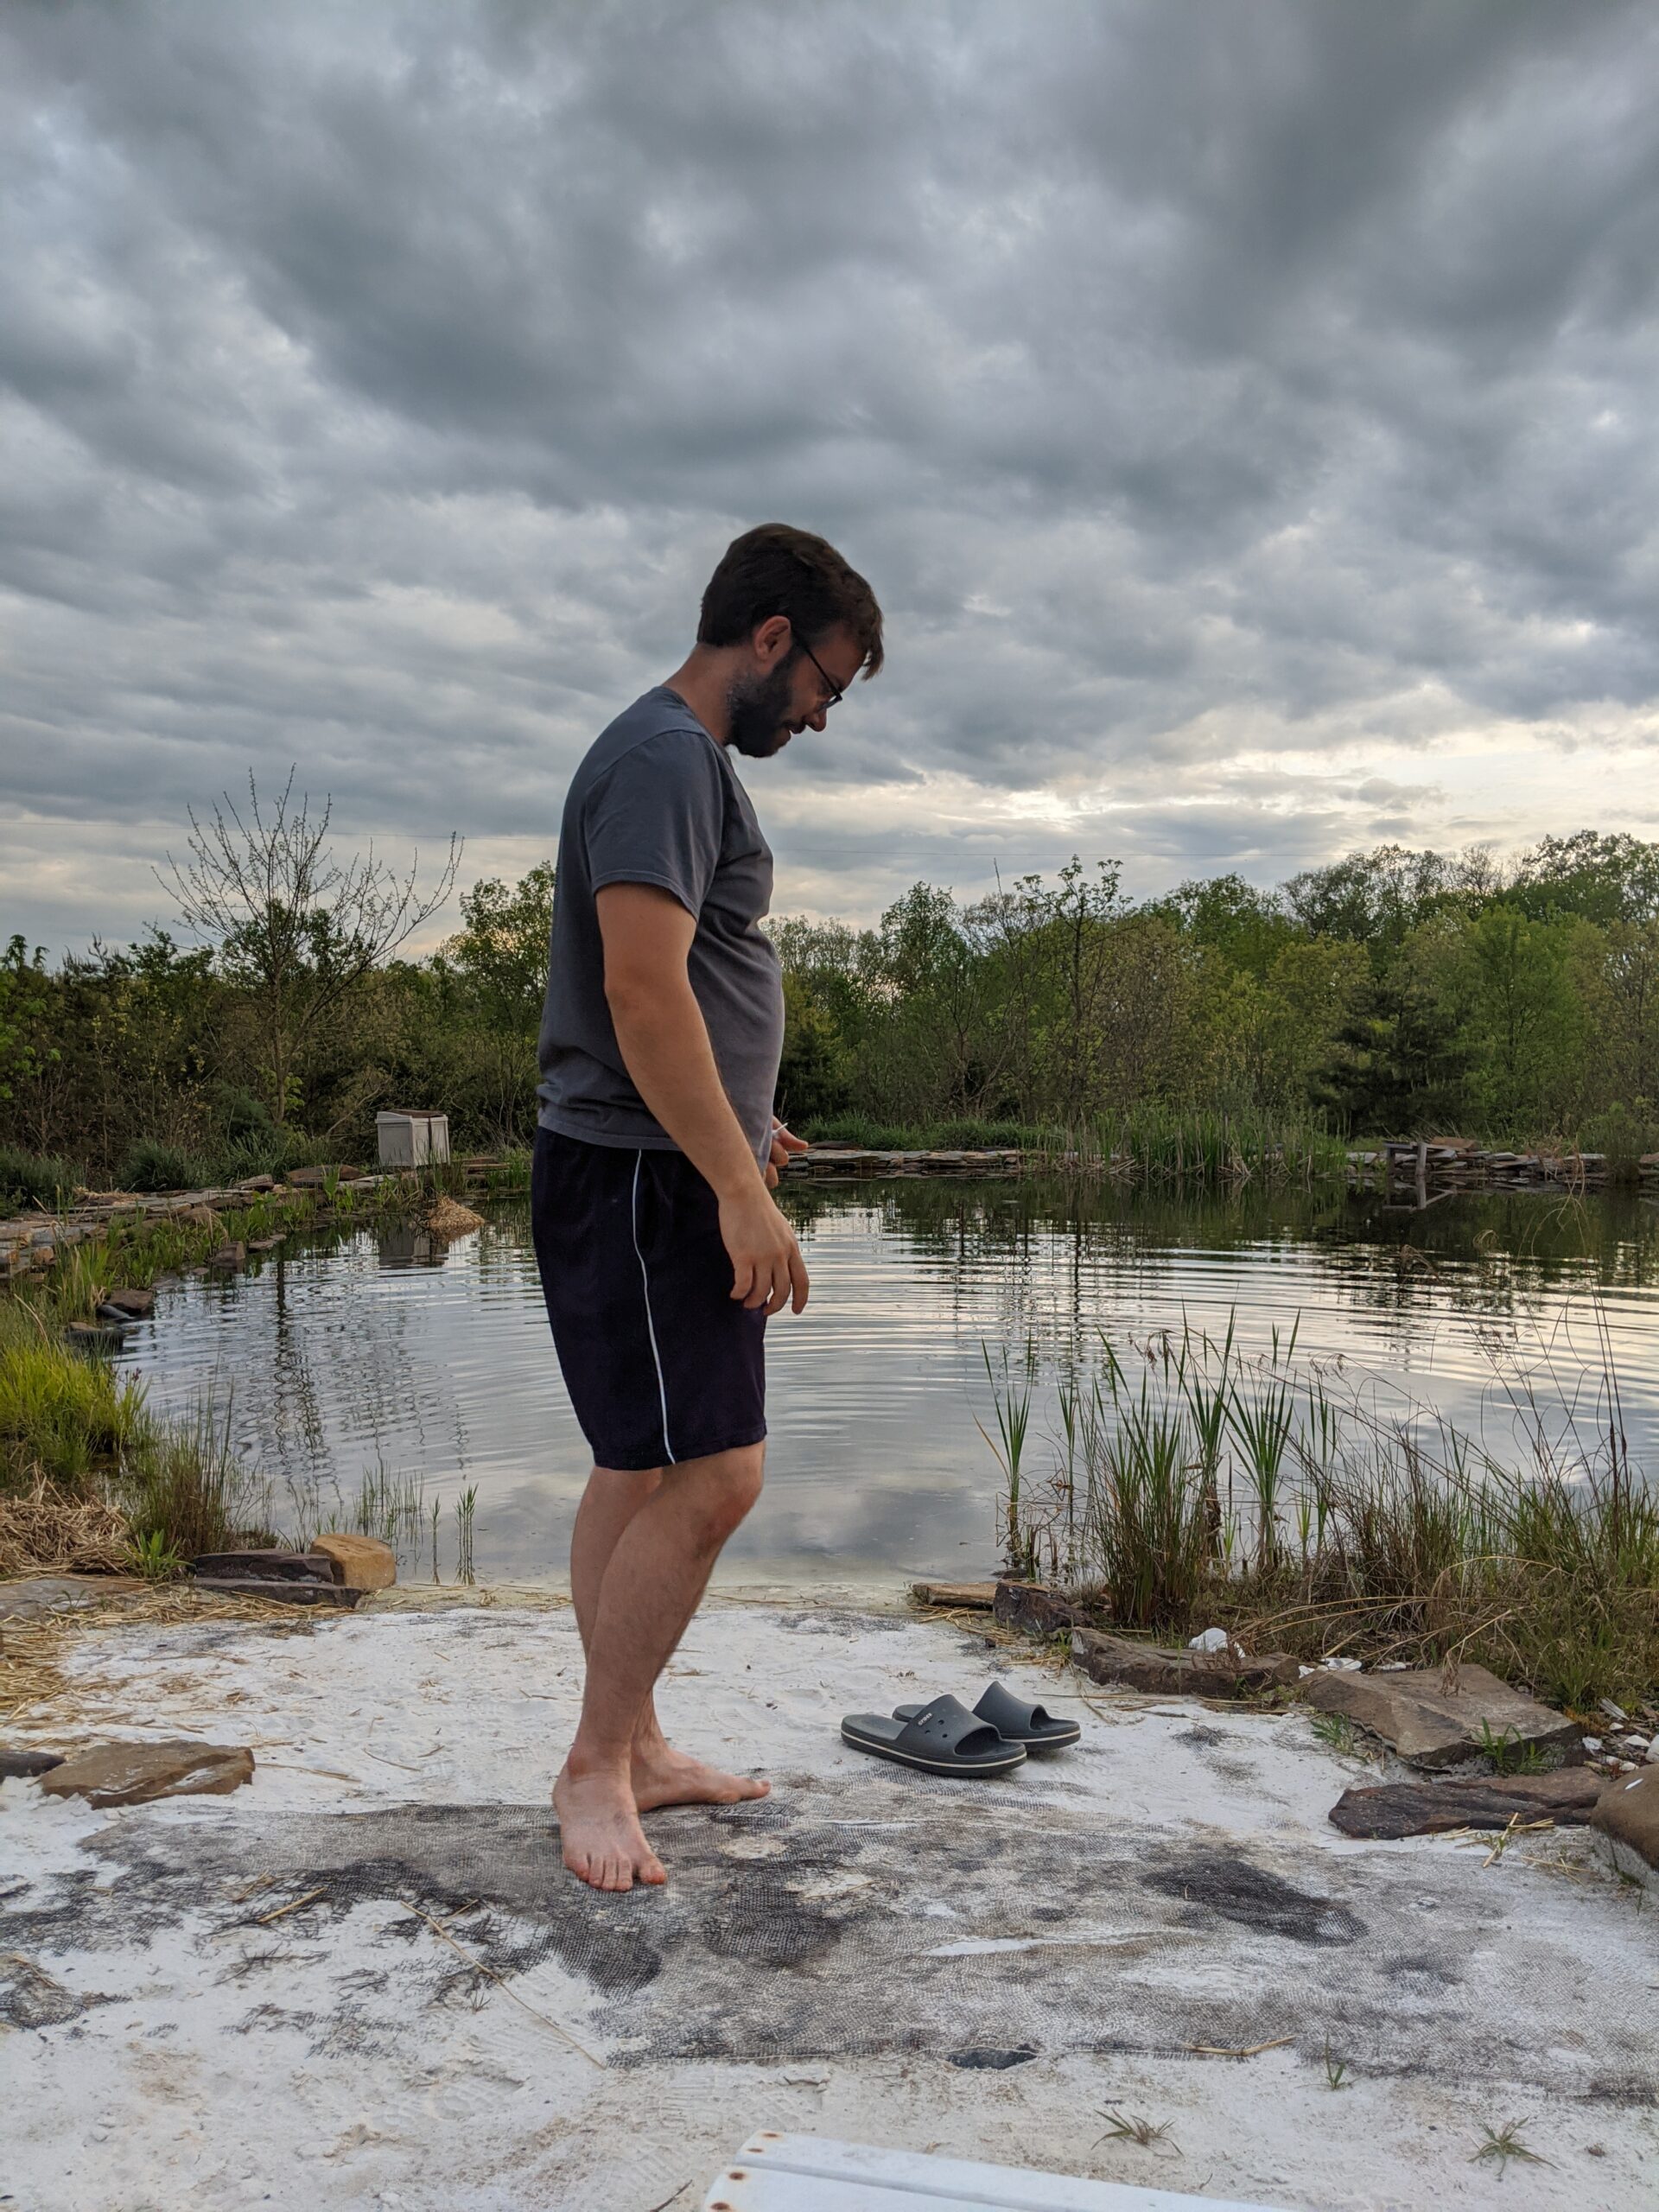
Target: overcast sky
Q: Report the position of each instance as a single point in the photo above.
(1242, 410)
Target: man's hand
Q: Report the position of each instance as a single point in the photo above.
(785, 1145)
(767, 1269)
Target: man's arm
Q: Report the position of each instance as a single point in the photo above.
(664, 1040)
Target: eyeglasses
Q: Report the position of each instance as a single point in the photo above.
(836, 695)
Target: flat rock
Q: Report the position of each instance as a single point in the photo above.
(17, 1762)
(1397, 1808)
(1164, 1673)
(1628, 1810)
(960, 1597)
(229, 1256)
(133, 1773)
(276, 1592)
(361, 1562)
(265, 1566)
(35, 1597)
(136, 1305)
(1415, 1714)
(90, 1333)
(1033, 1609)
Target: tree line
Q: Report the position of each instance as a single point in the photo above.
(1393, 992)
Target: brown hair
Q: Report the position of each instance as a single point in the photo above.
(774, 569)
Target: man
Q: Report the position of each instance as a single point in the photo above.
(661, 1252)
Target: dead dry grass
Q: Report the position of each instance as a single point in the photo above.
(47, 1531)
(448, 1217)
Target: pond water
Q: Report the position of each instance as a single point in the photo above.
(359, 1352)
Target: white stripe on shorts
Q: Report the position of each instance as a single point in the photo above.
(644, 1284)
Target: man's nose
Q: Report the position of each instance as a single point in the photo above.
(816, 719)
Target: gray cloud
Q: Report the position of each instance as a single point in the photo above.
(1241, 413)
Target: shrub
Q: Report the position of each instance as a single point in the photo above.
(28, 1178)
(153, 1165)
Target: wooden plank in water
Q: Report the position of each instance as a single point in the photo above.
(810, 2173)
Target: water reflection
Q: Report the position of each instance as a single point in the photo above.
(380, 1353)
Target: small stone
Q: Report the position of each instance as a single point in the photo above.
(1591, 1742)
(91, 1333)
(229, 1257)
(19, 1763)
(1339, 1666)
(1613, 1711)
(136, 1305)
(1210, 1639)
(134, 1774)
(359, 1562)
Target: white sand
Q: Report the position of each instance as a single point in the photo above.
(813, 1965)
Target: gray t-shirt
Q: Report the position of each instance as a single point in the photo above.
(656, 800)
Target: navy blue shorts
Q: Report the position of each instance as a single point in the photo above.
(661, 1362)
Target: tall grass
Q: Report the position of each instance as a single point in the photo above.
(185, 1491)
(69, 1421)
(1269, 1496)
(62, 1416)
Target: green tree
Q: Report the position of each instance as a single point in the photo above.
(499, 958)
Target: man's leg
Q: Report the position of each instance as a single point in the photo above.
(662, 1775)
(659, 1564)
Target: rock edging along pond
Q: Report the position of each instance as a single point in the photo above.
(310, 1198)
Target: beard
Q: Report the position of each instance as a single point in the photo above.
(758, 712)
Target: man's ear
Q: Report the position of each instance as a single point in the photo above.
(772, 638)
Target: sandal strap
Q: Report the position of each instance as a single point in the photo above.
(945, 1725)
(1010, 1715)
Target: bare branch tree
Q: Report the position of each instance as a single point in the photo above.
(297, 928)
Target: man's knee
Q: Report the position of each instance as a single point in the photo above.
(728, 1486)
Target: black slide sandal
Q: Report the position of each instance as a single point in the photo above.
(1032, 1726)
(940, 1737)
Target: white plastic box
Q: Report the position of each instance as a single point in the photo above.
(412, 1140)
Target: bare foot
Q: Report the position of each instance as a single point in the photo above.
(662, 1775)
(600, 1830)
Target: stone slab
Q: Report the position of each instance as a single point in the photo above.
(361, 1562)
(34, 1597)
(272, 1565)
(136, 1305)
(278, 1593)
(1163, 1673)
(1415, 1714)
(134, 1774)
(1628, 1810)
(1400, 1809)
